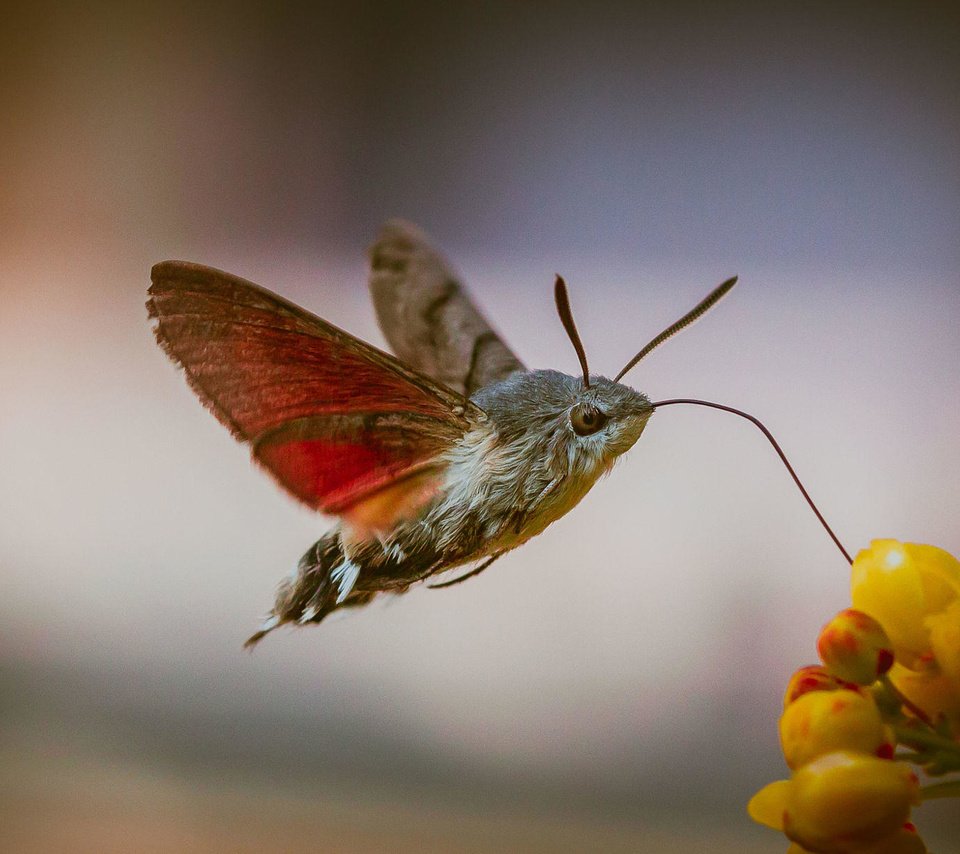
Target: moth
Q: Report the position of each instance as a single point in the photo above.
(449, 454)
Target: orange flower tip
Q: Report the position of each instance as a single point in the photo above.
(884, 661)
(884, 751)
(814, 677)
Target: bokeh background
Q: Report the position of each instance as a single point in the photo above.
(614, 685)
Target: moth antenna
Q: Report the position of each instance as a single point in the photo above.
(566, 318)
(783, 457)
(694, 314)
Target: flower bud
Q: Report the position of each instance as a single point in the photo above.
(854, 646)
(846, 801)
(825, 721)
(814, 677)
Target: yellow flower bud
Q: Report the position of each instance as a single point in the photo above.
(843, 800)
(854, 646)
(899, 585)
(826, 721)
(814, 677)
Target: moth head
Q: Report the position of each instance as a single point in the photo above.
(607, 409)
(607, 417)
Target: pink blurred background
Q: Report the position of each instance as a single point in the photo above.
(615, 684)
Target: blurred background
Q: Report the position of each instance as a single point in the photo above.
(614, 685)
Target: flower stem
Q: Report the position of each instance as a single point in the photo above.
(950, 789)
(910, 735)
(906, 702)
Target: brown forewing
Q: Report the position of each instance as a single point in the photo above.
(427, 315)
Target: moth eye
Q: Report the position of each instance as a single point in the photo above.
(586, 419)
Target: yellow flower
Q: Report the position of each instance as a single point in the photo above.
(825, 721)
(844, 801)
(901, 585)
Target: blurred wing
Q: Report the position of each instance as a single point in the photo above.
(427, 316)
(333, 419)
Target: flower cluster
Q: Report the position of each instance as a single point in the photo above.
(885, 698)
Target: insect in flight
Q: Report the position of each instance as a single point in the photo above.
(448, 455)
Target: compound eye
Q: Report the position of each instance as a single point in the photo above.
(586, 419)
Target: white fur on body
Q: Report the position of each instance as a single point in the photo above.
(515, 472)
(483, 480)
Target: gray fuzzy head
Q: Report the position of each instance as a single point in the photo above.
(580, 430)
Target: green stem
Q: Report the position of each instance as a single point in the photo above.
(950, 789)
(909, 735)
(914, 757)
(905, 701)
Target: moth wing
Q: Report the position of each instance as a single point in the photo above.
(427, 315)
(334, 420)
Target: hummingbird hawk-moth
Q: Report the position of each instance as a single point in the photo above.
(448, 454)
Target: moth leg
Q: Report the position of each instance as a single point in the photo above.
(466, 575)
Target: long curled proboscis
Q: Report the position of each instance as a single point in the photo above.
(783, 457)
